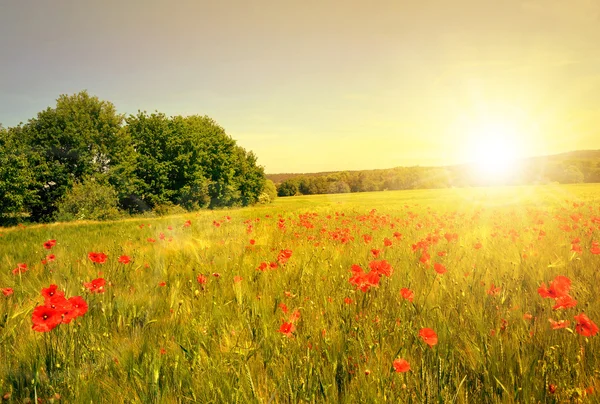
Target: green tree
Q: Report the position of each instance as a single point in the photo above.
(16, 176)
(79, 137)
(288, 188)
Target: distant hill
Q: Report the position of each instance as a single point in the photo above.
(570, 167)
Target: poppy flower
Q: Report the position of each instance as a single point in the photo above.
(287, 329)
(284, 256)
(49, 244)
(401, 365)
(559, 287)
(387, 242)
(367, 238)
(97, 258)
(283, 307)
(237, 279)
(163, 283)
(407, 294)
(375, 252)
(21, 268)
(202, 279)
(493, 290)
(151, 240)
(262, 267)
(381, 267)
(252, 241)
(80, 306)
(124, 259)
(7, 291)
(478, 245)
(585, 326)
(556, 325)
(439, 268)
(51, 291)
(188, 223)
(45, 318)
(429, 336)
(50, 258)
(96, 286)
(564, 302)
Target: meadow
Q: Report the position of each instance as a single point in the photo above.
(483, 295)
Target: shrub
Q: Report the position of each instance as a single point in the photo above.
(90, 199)
(168, 208)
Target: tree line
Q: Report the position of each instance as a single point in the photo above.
(83, 149)
(568, 168)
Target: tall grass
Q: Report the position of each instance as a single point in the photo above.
(220, 341)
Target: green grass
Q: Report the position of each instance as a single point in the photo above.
(141, 342)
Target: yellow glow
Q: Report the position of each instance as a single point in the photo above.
(495, 148)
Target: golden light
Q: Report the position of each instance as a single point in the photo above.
(495, 149)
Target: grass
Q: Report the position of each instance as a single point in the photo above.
(220, 342)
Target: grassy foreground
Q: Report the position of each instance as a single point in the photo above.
(263, 305)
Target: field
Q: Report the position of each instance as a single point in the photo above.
(462, 296)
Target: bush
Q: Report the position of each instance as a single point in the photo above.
(91, 199)
(168, 208)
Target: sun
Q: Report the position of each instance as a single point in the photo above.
(494, 150)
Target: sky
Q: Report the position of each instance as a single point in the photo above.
(322, 85)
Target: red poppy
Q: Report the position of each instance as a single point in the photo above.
(559, 287)
(63, 306)
(262, 267)
(429, 336)
(381, 267)
(439, 268)
(51, 291)
(21, 267)
(151, 240)
(585, 326)
(348, 300)
(80, 306)
(493, 290)
(98, 258)
(237, 279)
(425, 257)
(96, 286)
(45, 318)
(375, 252)
(163, 283)
(287, 329)
(401, 365)
(387, 242)
(7, 291)
(202, 279)
(188, 223)
(478, 245)
(564, 302)
(124, 259)
(283, 307)
(284, 256)
(50, 258)
(252, 241)
(556, 325)
(367, 238)
(407, 294)
(49, 244)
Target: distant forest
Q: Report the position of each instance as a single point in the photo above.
(567, 168)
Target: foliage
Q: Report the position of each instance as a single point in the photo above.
(151, 160)
(16, 176)
(90, 199)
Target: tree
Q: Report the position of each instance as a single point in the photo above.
(288, 188)
(16, 176)
(80, 137)
(191, 161)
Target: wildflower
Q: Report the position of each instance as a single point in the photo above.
(237, 279)
(494, 291)
(7, 291)
(45, 318)
(124, 259)
(564, 302)
(49, 244)
(556, 325)
(559, 287)
(97, 258)
(429, 336)
(407, 294)
(96, 286)
(21, 268)
(585, 326)
(202, 279)
(80, 306)
(284, 256)
(401, 365)
(51, 291)
(287, 329)
(439, 268)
